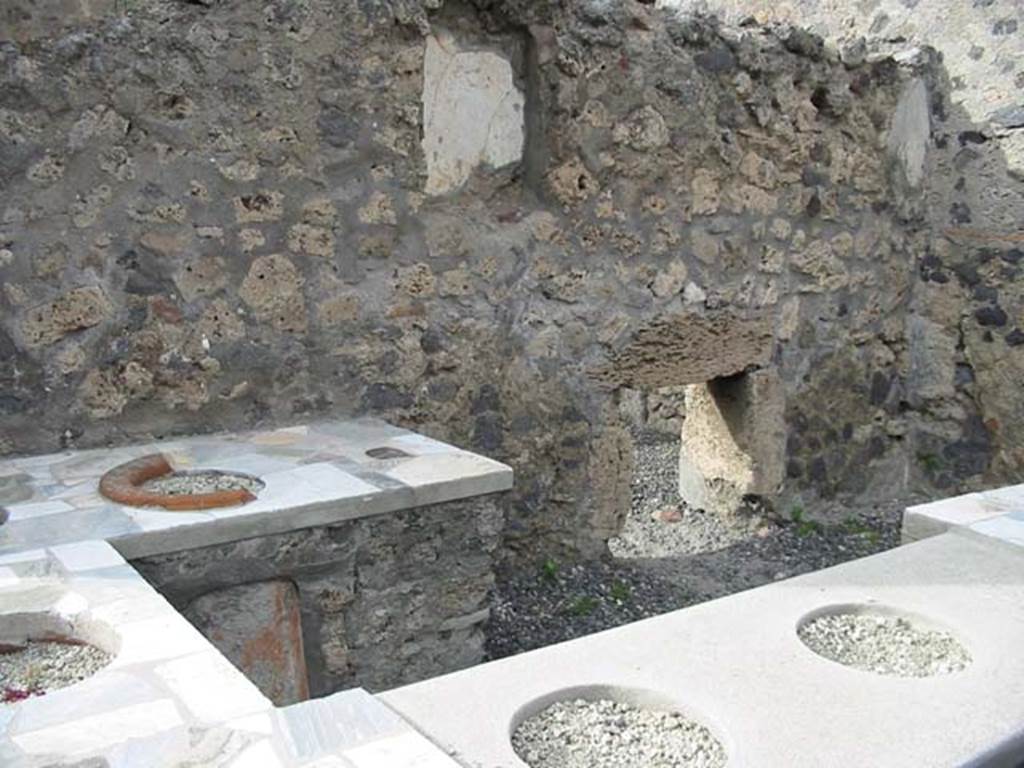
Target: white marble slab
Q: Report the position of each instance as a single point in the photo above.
(37, 509)
(86, 555)
(157, 638)
(214, 690)
(28, 555)
(406, 749)
(93, 733)
(8, 577)
(997, 513)
(937, 517)
(259, 755)
(1005, 527)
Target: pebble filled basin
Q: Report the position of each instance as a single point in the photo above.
(151, 481)
(41, 652)
(882, 640)
(611, 727)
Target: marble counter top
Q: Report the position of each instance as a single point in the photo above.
(314, 475)
(168, 697)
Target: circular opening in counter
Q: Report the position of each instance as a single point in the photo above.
(606, 727)
(40, 653)
(151, 481)
(883, 640)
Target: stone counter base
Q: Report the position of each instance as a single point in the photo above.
(375, 602)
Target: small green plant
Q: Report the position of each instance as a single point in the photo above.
(124, 7)
(857, 527)
(584, 605)
(805, 528)
(854, 526)
(930, 462)
(620, 592)
(549, 570)
(796, 513)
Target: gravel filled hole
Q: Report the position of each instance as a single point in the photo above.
(39, 666)
(883, 643)
(612, 734)
(200, 482)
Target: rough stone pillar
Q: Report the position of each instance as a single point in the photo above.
(732, 440)
(611, 468)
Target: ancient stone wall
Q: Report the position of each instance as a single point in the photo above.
(377, 602)
(217, 214)
(966, 325)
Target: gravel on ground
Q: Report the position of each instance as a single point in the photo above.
(887, 645)
(201, 481)
(612, 734)
(42, 666)
(670, 556)
(561, 601)
(659, 524)
(779, 550)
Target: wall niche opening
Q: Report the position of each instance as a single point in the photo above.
(705, 409)
(708, 461)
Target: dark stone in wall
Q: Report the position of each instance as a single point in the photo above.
(960, 213)
(337, 127)
(990, 316)
(881, 385)
(971, 454)
(719, 60)
(384, 397)
(488, 434)
(1005, 27)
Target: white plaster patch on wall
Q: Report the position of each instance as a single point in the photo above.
(472, 113)
(911, 128)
